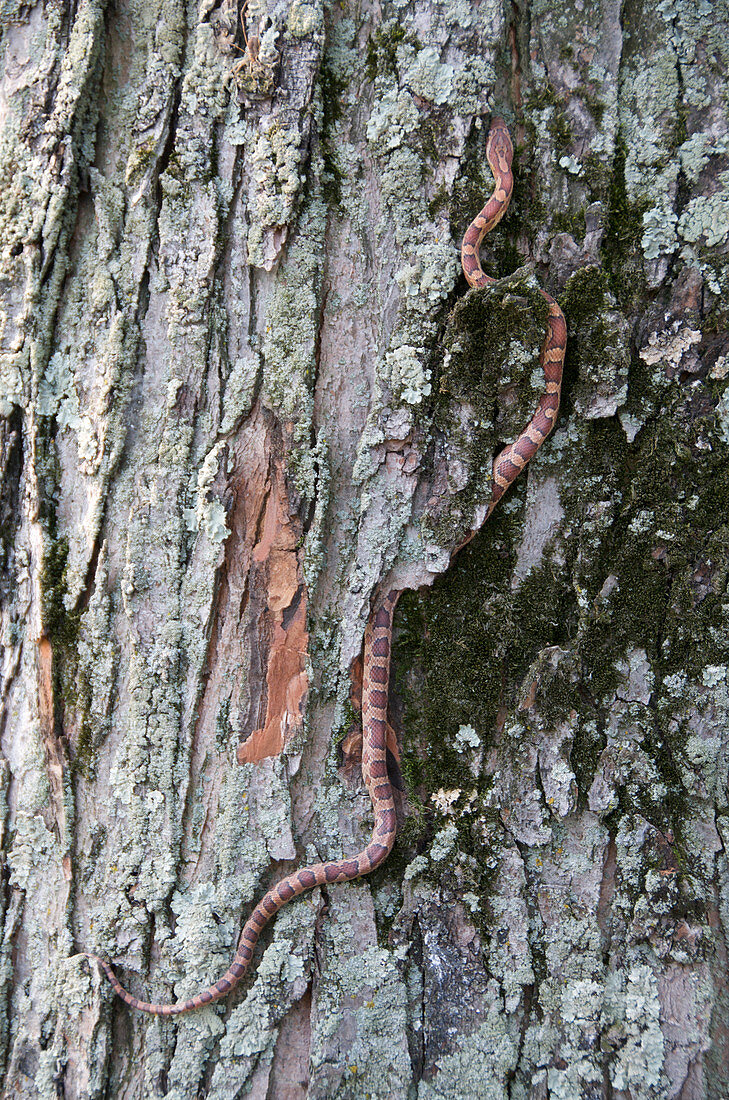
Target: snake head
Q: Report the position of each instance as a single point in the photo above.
(499, 150)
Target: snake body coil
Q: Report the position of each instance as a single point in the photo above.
(512, 460)
(378, 634)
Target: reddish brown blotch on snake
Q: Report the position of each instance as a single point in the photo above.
(378, 635)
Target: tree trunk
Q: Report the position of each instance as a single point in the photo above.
(244, 386)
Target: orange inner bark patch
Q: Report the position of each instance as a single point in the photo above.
(286, 679)
(45, 687)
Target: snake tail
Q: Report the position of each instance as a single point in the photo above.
(374, 769)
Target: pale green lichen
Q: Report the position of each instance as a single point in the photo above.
(653, 86)
(415, 868)
(240, 387)
(290, 340)
(153, 756)
(196, 1042)
(443, 843)
(39, 201)
(359, 994)
(659, 233)
(57, 393)
(632, 1012)
(305, 18)
(722, 414)
(333, 804)
(706, 218)
(670, 345)
(98, 656)
(714, 675)
(392, 120)
(30, 838)
(697, 151)
(214, 522)
(472, 901)
(466, 737)
(315, 545)
(425, 75)
(481, 1068)
(11, 385)
(35, 861)
(408, 378)
(276, 180)
(209, 514)
(428, 277)
(268, 50)
(571, 165)
(280, 979)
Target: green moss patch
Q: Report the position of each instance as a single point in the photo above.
(493, 340)
(382, 49)
(621, 247)
(332, 88)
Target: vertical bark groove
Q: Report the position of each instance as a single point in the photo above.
(242, 384)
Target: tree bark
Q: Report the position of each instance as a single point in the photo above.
(243, 385)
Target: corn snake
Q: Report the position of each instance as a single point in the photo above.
(378, 634)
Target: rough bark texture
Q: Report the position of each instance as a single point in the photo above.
(242, 384)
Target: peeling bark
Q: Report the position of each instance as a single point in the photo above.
(242, 385)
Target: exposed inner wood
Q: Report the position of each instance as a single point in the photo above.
(284, 601)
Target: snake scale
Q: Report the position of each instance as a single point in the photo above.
(378, 634)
